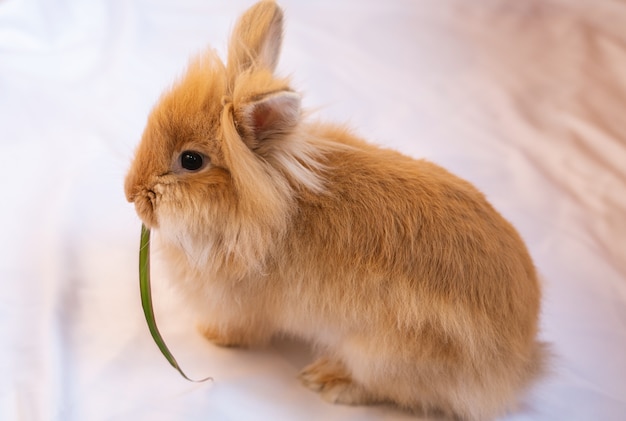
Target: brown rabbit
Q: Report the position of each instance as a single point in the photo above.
(412, 287)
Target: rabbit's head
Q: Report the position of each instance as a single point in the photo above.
(220, 158)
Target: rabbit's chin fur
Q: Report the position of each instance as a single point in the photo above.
(413, 289)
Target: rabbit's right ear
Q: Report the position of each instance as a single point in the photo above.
(256, 39)
(272, 115)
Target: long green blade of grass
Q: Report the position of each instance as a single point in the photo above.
(146, 301)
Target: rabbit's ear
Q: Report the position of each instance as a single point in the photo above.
(272, 115)
(256, 39)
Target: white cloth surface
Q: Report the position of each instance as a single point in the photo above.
(526, 99)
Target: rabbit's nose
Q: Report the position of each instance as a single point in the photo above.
(130, 195)
(130, 188)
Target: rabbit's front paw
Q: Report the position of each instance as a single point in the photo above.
(219, 337)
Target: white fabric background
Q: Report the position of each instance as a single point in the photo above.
(526, 99)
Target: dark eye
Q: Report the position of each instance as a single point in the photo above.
(191, 160)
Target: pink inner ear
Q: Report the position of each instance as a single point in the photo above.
(261, 116)
(274, 114)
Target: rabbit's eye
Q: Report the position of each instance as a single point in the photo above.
(191, 160)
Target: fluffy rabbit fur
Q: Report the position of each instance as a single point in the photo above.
(412, 287)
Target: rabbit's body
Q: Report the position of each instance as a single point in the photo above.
(412, 287)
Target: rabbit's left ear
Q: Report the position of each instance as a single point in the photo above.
(273, 115)
(256, 39)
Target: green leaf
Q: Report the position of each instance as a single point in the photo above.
(146, 301)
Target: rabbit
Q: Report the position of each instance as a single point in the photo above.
(410, 286)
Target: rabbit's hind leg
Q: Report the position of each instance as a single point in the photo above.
(332, 380)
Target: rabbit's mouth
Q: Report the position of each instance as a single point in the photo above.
(145, 205)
